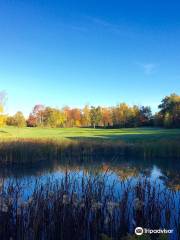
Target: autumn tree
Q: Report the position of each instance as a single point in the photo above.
(10, 121)
(31, 121)
(85, 117)
(75, 115)
(145, 115)
(106, 117)
(134, 116)
(170, 110)
(3, 97)
(95, 116)
(124, 114)
(53, 117)
(38, 114)
(67, 113)
(120, 115)
(19, 119)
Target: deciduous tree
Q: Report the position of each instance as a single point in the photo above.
(95, 116)
(19, 119)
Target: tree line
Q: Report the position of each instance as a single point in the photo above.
(120, 116)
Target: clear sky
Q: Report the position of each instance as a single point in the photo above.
(59, 52)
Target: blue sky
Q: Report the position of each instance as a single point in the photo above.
(98, 52)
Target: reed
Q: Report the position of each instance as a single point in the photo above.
(33, 150)
(86, 209)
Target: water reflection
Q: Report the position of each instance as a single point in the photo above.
(126, 192)
(160, 170)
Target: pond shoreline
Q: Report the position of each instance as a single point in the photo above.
(30, 150)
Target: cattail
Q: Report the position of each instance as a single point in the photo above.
(65, 199)
(138, 204)
(4, 208)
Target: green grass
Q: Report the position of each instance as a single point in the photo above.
(128, 134)
(33, 144)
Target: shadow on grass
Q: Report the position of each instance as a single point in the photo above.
(2, 131)
(142, 137)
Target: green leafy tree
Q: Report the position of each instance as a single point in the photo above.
(158, 120)
(170, 110)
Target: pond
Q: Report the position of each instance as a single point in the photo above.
(110, 199)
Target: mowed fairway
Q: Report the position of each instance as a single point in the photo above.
(128, 134)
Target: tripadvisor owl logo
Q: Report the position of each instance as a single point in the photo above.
(139, 231)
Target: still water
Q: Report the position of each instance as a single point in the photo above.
(165, 172)
(118, 173)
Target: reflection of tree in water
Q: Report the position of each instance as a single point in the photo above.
(171, 179)
(123, 171)
(122, 168)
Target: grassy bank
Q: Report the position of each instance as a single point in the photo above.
(33, 144)
(126, 134)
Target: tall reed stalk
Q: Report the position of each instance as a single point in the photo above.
(69, 208)
(23, 151)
